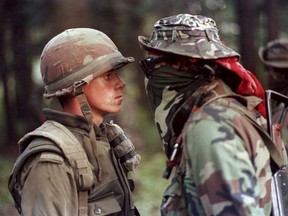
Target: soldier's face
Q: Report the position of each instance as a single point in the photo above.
(104, 94)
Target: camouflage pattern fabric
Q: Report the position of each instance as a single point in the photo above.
(225, 169)
(193, 36)
(172, 93)
(197, 37)
(168, 90)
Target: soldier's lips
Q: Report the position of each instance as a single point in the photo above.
(119, 98)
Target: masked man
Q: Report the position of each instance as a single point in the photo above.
(208, 111)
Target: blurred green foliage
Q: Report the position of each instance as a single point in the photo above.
(150, 184)
(6, 201)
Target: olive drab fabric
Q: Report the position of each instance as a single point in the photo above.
(55, 166)
(73, 152)
(74, 58)
(105, 197)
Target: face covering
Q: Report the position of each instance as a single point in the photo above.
(167, 89)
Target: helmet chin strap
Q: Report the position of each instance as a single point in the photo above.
(92, 145)
(55, 104)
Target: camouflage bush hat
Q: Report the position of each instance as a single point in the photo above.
(194, 36)
(275, 53)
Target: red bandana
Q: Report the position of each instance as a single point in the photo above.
(249, 85)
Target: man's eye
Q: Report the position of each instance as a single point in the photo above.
(108, 75)
(111, 75)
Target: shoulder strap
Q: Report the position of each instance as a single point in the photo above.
(33, 148)
(274, 153)
(73, 152)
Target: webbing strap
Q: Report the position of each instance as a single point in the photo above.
(274, 153)
(117, 140)
(75, 155)
(127, 156)
(82, 203)
(86, 110)
(33, 148)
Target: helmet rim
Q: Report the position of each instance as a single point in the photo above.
(75, 56)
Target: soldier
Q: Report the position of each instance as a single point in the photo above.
(75, 163)
(208, 111)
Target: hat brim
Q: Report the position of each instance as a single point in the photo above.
(201, 49)
(277, 64)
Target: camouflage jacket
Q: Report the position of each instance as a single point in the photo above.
(224, 168)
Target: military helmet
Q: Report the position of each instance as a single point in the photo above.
(75, 57)
(194, 36)
(275, 53)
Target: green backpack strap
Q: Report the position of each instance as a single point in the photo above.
(274, 153)
(278, 160)
(33, 148)
(73, 152)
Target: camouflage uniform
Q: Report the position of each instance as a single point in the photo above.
(69, 165)
(203, 99)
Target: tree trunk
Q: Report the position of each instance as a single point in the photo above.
(21, 65)
(8, 103)
(246, 10)
(66, 15)
(272, 10)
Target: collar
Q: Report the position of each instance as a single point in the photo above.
(217, 88)
(66, 119)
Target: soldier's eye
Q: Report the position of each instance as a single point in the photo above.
(109, 75)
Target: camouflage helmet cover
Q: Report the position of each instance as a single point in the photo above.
(275, 53)
(194, 36)
(76, 56)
